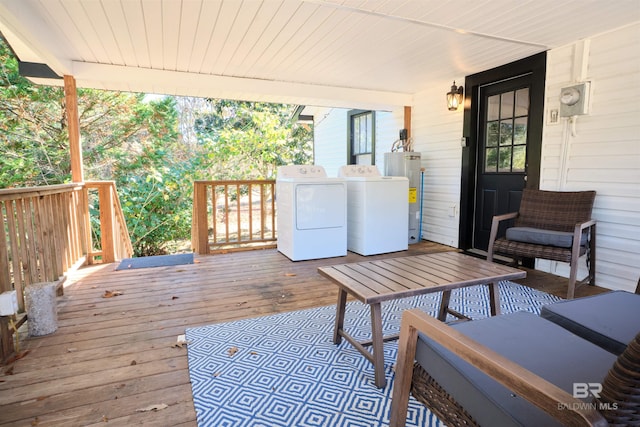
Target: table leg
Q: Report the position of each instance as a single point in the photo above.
(444, 306)
(377, 345)
(494, 299)
(340, 309)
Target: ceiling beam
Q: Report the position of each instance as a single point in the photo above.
(146, 80)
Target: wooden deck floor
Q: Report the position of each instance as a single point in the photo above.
(111, 357)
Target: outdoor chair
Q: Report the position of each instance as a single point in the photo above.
(512, 370)
(552, 225)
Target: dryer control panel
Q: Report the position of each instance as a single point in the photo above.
(301, 171)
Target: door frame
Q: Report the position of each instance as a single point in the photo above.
(536, 65)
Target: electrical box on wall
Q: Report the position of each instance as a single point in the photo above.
(574, 100)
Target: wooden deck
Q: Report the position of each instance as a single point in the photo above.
(111, 357)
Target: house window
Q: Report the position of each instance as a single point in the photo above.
(362, 141)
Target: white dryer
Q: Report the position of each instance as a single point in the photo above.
(377, 210)
(311, 213)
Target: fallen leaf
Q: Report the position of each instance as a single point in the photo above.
(154, 408)
(111, 294)
(181, 341)
(290, 274)
(41, 398)
(133, 363)
(34, 422)
(253, 353)
(105, 419)
(196, 261)
(174, 297)
(232, 351)
(217, 374)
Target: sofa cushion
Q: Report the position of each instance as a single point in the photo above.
(539, 236)
(538, 345)
(610, 320)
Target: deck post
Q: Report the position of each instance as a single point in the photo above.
(73, 126)
(407, 120)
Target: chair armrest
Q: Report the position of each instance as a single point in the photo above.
(582, 225)
(577, 233)
(545, 395)
(495, 223)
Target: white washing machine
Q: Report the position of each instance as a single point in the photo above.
(311, 213)
(377, 210)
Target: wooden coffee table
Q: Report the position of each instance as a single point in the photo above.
(373, 282)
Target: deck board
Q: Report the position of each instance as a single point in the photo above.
(83, 374)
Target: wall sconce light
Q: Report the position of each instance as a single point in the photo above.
(454, 97)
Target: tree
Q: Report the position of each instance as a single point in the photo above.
(252, 139)
(154, 150)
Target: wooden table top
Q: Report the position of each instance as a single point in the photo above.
(382, 280)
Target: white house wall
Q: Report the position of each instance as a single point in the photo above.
(330, 135)
(436, 134)
(603, 151)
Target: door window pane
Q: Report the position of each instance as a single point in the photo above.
(520, 131)
(493, 108)
(506, 132)
(504, 159)
(506, 125)
(519, 158)
(491, 160)
(522, 102)
(506, 105)
(493, 134)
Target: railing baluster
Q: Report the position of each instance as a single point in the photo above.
(245, 223)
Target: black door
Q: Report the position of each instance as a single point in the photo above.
(503, 124)
(502, 129)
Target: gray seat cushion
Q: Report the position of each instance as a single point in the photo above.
(610, 320)
(540, 346)
(538, 236)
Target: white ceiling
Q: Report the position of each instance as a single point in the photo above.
(350, 53)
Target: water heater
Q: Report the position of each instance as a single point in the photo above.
(407, 163)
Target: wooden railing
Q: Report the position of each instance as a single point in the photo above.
(115, 243)
(46, 232)
(233, 215)
(44, 235)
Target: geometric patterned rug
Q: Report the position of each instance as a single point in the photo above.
(284, 370)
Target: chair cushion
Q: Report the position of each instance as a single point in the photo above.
(539, 236)
(610, 320)
(540, 346)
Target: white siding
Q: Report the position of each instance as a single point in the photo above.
(330, 138)
(436, 134)
(388, 125)
(603, 153)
